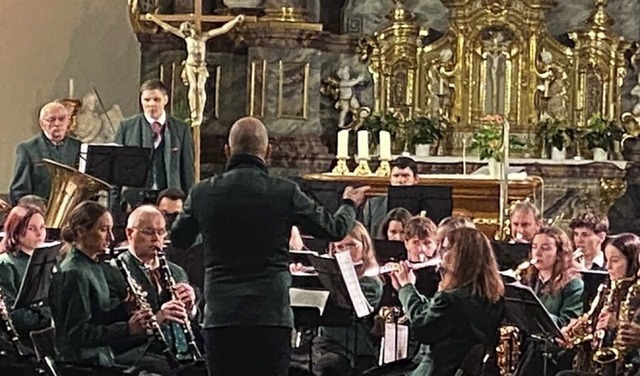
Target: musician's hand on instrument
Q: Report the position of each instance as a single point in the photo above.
(357, 195)
(139, 321)
(629, 335)
(173, 310)
(186, 294)
(296, 267)
(606, 320)
(404, 275)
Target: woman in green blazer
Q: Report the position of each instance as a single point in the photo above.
(468, 308)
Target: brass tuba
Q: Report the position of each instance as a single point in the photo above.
(69, 187)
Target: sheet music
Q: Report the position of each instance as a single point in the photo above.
(360, 303)
(309, 298)
(391, 349)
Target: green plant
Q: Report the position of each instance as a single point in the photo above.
(555, 132)
(423, 130)
(602, 133)
(382, 122)
(488, 140)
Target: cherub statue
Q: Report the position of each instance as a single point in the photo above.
(342, 90)
(95, 127)
(195, 73)
(439, 84)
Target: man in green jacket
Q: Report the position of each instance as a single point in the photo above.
(29, 177)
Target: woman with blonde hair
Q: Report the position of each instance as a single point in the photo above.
(468, 308)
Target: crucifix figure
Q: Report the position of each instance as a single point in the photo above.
(195, 73)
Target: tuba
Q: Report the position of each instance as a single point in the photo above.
(69, 187)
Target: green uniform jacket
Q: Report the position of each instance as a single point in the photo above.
(245, 217)
(452, 322)
(372, 289)
(13, 266)
(31, 178)
(567, 304)
(88, 317)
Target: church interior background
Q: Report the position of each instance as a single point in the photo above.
(455, 62)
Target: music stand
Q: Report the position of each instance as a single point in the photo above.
(315, 244)
(116, 164)
(436, 201)
(37, 277)
(389, 250)
(326, 193)
(510, 255)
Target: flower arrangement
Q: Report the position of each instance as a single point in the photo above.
(602, 133)
(488, 139)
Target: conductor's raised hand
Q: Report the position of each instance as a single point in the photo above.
(357, 195)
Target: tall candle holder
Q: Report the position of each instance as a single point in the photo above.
(363, 167)
(341, 167)
(384, 169)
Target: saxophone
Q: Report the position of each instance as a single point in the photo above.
(8, 327)
(627, 314)
(140, 300)
(169, 284)
(606, 351)
(581, 334)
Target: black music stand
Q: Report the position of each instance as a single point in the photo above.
(315, 244)
(524, 310)
(436, 201)
(326, 193)
(118, 165)
(34, 289)
(510, 255)
(389, 250)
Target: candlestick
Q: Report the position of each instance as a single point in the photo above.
(341, 167)
(71, 88)
(385, 145)
(363, 167)
(363, 144)
(343, 144)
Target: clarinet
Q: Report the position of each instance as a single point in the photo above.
(140, 299)
(169, 284)
(9, 329)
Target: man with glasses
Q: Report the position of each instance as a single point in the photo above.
(146, 232)
(30, 177)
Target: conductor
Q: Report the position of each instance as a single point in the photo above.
(245, 217)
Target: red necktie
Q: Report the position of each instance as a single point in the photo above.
(157, 129)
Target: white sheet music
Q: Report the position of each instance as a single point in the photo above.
(360, 303)
(392, 350)
(308, 298)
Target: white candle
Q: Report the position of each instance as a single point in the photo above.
(363, 144)
(71, 88)
(385, 146)
(343, 144)
(464, 156)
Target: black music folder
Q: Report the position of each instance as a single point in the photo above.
(120, 166)
(37, 278)
(510, 255)
(592, 280)
(326, 193)
(436, 201)
(389, 250)
(524, 310)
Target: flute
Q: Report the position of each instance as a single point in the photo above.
(395, 267)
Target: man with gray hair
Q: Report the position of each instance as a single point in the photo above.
(245, 217)
(29, 177)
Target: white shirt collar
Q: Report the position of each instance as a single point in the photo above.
(599, 259)
(162, 119)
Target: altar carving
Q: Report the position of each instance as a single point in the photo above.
(496, 57)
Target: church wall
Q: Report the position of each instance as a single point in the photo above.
(43, 44)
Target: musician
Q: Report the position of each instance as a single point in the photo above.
(145, 234)
(245, 218)
(331, 356)
(52, 143)
(525, 219)
(404, 171)
(392, 227)
(88, 315)
(170, 202)
(468, 307)
(420, 239)
(35, 201)
(168, 137)
(589, 232)
(25, 231)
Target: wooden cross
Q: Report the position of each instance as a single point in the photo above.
(197, 18)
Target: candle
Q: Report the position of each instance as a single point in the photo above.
(464, 156)
(71, 88)
(343, 144)
(363, 144)
(385, 146)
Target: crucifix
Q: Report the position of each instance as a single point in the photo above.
(195, 73)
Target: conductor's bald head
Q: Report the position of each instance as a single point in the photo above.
(248, 136)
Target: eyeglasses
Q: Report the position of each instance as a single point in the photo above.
(151, 232)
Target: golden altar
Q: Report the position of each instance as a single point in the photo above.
(474, 196)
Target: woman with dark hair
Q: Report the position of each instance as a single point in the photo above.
(25, 231)
(467, 309)
(88, 317)
(392, 227)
